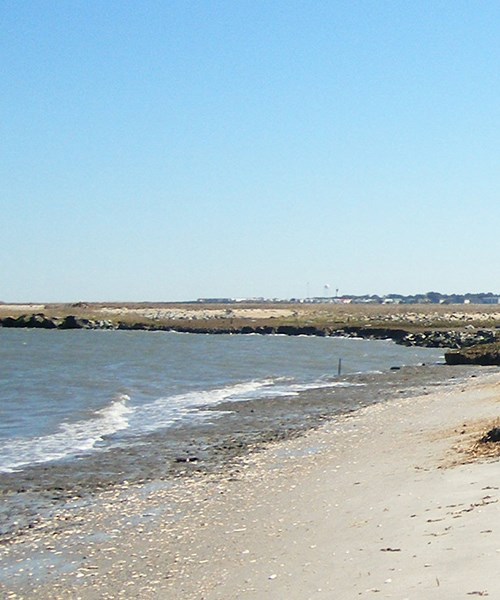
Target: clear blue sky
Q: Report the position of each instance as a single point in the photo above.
(170, 150)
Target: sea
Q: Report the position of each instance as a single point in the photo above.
(70, 395)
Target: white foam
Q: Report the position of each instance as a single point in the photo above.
(70, 439)
(294, 389)
(86, 435)
(170, 410)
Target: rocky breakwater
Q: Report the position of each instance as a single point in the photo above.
(480, 354)
(429, 339)
(266, 322)
(453, 338)
(41, 321)
(450, 339)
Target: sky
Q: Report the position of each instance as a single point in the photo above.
(181, 149)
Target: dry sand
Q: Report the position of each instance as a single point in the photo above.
(387, 502)
(200, 313)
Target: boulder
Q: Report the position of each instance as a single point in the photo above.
(450, 339)
(300, 330)
(38, 321)
(72, 322)
(493, 435)
(481, 354)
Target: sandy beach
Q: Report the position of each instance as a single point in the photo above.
(389, 501)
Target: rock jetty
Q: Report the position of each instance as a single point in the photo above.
(41, 321)
(458, 339)
(480, 354)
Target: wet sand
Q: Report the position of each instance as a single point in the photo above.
(230, 430)
(383, 502)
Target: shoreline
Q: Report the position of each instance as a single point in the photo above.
(33, 494)
(365, 505)
(437, 326)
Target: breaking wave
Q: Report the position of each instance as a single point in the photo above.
(70, 438)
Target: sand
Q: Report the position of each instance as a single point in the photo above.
(200, 313)
(387, 502)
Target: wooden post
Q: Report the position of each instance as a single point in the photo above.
(339, 372)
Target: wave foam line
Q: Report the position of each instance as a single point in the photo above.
(169, 410)
(70, 439)
(172, 410)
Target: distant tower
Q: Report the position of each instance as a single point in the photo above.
(327, 287)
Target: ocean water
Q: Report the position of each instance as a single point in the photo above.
(66, 394)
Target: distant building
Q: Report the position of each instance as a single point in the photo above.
(491, 300)
(215, 300)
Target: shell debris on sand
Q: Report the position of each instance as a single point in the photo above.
(290, 527)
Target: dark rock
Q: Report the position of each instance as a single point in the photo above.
(300, 330)
(11, 322)
(373, 333)
(40, 321)
(449, 339)
(493, 435)
(37, 321)
(265, 330)
(481, 354)
(186, 459)
(72, 322)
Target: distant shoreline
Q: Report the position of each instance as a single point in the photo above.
(440, 326)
